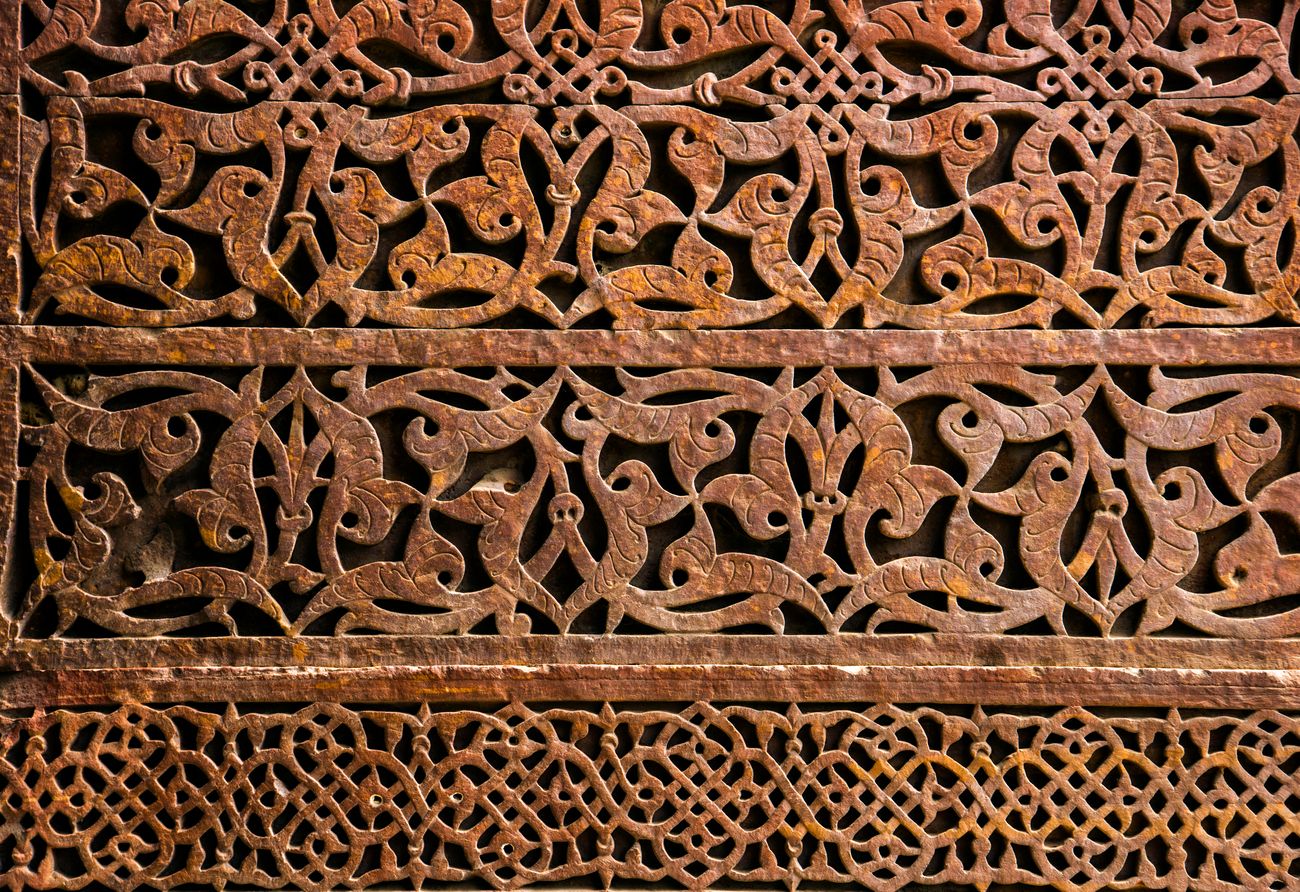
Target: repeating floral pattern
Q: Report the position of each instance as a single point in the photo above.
(1100, 171)
(707, 52)
(882, 797)
(969, 498)
(939, 165)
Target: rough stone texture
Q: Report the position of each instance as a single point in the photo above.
(336, 797)
(972, 498)
(679, 165)
(572, 442)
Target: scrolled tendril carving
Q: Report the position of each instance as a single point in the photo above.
(1070, 184)
(968, 499)
(707, 52)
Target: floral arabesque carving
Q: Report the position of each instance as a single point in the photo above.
(702, 52)
(685, 501)
(463, 215)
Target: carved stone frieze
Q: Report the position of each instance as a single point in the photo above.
(707, 53)
(970, 498)
(1058, 184)
(649, 444)
(881, 797)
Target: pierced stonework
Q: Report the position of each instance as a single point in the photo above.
(971, 499)
(1065, 186)
(646, 52)
(881, 797)
(649, 444)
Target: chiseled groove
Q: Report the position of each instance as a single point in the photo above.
(929, 650)
(1023, 686)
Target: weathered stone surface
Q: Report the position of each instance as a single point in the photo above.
(919, 165)
(649, 52)
(975, 498)
(421, 403)
(880, 797)
(974, 215)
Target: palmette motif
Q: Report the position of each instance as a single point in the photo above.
(932, 200)
(684, 501)
(704, 52)
(881, 797)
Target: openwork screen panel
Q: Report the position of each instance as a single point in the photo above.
(649, 444)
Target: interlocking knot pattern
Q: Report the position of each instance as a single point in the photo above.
(687, 376)
(679, 165)
(328, 797)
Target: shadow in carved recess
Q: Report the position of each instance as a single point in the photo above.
(975, 499)
(411, 164)
(325, 796)
(649, 165)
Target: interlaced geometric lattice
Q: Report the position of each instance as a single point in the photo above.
(329, 797)
(366, 365)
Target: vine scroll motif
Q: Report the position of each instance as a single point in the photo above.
(561, 164)
(970, 499)
(882, 797)
(1093, 194)
(700, 52)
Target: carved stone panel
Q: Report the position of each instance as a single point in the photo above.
(649, 444)
(972, 498)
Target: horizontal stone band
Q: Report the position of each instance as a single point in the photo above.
(328, 795)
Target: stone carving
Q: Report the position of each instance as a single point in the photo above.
(881, 797)
(968, 498)
(702, 52)
(400, 359)
(931, 200)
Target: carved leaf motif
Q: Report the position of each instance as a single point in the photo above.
(637, 440)
(227, 513)
(753, 500)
